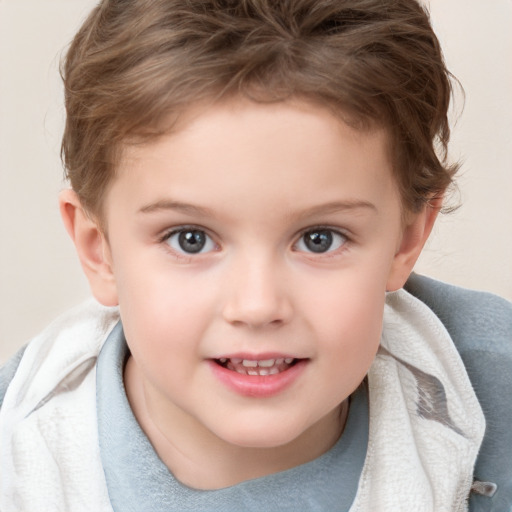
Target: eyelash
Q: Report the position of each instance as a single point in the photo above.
(164, 239)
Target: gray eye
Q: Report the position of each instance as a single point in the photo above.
(320, 241)
(190, 241)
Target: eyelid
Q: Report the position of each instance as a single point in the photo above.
(167, 232)
(319, 227)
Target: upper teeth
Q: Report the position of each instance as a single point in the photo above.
(266, 363)
(257, 366)
(263, 363)
(254, 363)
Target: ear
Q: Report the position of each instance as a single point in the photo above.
(415, 233)
(91, 246)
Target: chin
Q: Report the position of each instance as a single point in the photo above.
(261, 436)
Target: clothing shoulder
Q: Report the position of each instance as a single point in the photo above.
(65, 347)
(475, 320)
(480, 325)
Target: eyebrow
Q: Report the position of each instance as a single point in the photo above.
(338, 206)
(168, 204)
(323, 209)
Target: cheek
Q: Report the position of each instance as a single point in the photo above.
(163, 329)
(165, 313)
(356, 324)
(349, 321)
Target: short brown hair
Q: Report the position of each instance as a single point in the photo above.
(134, 63)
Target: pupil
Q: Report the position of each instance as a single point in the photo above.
(318, 241)
(192, 241)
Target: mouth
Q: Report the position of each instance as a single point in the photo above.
(263, 377)
(257, 367)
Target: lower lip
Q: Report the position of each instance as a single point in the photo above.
(258, 386)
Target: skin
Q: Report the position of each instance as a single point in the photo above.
(253, 178)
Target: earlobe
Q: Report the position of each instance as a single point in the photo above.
(414, 237)
(91, 246)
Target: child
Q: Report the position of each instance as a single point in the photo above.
(252, 184)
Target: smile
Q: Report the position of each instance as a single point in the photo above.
(257, 367)
(258, 378)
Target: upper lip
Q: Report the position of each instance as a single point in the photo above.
(257, 357)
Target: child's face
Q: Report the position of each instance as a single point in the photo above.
(263, 233)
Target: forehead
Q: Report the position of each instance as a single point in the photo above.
(239, 148)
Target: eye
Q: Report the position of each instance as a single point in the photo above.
(190, 241)
(320, 240)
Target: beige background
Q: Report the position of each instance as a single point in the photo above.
(39, 274)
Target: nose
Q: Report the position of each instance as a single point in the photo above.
(258, 294)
